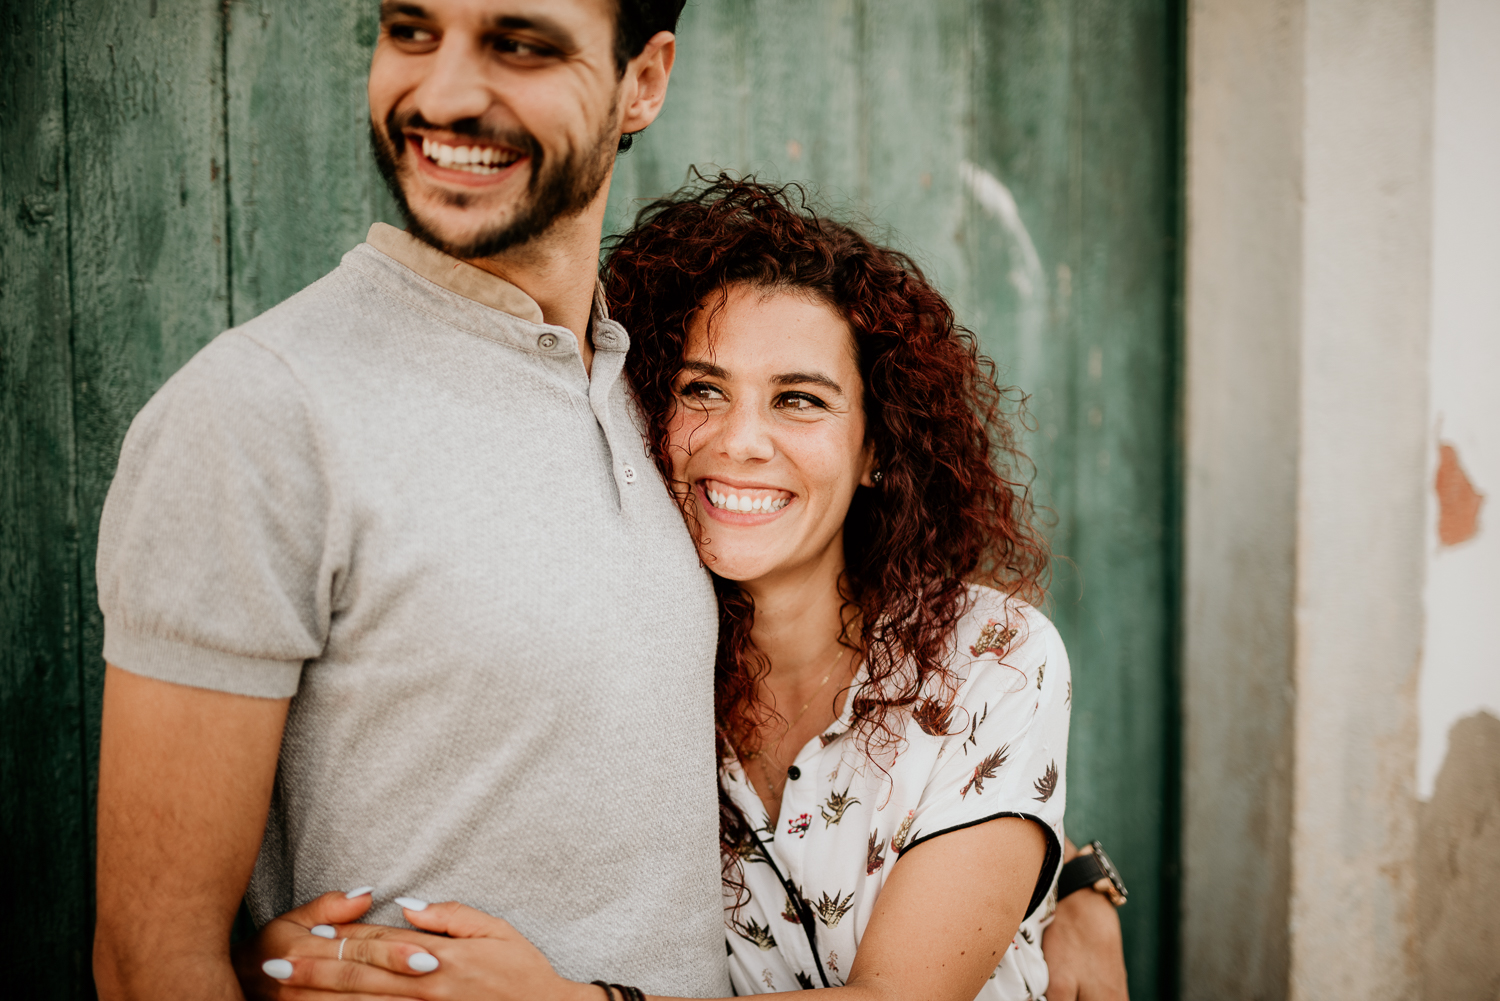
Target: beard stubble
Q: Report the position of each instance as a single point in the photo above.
(556, 190)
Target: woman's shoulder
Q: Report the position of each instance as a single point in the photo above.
(997, 625)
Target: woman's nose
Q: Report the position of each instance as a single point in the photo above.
(745, 435)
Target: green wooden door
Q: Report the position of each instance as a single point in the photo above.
(171, 167)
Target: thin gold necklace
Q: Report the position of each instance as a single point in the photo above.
(756, 755)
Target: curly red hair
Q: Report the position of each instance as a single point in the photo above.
(953, 504)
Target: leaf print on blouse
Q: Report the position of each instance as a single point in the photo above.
(804, 981)
(1047, 784)
(756, 933)
(898, 842)
(833, 810)
(768, 980)
(793, 910)
(1041, 670)
(832, 910)
(994, 638)
(875, 855)
(985, 770)
(824, 739)
(974, 725)
(934, 717)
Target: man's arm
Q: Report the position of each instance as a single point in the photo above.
(1084, 952)
(185, 778)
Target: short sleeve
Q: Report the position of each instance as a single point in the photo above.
(1006, 752)
(214, 566)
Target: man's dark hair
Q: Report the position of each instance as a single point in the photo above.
(635, 22)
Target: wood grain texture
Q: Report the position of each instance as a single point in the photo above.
(146, 202)
(303, 187)
(43, 808)
(1025, 152)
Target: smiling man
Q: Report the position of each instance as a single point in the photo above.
(393, 596)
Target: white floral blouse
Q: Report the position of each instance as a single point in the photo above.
(814, 875)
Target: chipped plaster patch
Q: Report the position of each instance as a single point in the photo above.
(1458, 501)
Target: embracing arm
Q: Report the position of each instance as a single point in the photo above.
(1083, 948)
(941, 924)
(185, 778)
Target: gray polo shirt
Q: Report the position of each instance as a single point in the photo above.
(398, 498)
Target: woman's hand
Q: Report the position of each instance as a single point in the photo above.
(305, 942)
(478, 956)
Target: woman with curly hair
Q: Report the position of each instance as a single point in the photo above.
(892, 710)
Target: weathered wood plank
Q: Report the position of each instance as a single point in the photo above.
(42, 784)
(303, 186)
(1079, 119)
(146, 182)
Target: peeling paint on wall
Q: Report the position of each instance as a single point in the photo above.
(1458, 501)
(1458, 868)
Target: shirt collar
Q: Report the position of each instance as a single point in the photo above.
(454, 275)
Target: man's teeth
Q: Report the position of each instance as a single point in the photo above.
(474, 159)
(747, 505)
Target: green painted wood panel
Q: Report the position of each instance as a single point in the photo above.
(146, 190)
(1025, 152)
(43, 811)
(303, 186)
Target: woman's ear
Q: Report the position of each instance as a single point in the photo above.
(869, 475)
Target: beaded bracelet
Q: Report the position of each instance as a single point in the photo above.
(629, 993)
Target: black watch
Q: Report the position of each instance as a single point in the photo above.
(1092, 871)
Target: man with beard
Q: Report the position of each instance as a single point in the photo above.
(393, 595)
(395, 602)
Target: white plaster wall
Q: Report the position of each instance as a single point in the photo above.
(1461, 651)
(1361, 495)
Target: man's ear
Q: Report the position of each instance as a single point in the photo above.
(645, 83)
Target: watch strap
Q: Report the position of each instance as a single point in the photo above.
(1080, 874)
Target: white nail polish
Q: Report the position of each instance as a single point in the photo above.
(324, 931)
(277, 969)
(359, 892)
(411, 903)
(423, 962)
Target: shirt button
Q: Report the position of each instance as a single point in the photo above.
(547, 342)
(794, 773)
(629, 473)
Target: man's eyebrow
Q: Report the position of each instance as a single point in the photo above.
(553, 31)
(391, 9)
(794, 378)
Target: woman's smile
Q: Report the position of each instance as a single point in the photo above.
(742, 505)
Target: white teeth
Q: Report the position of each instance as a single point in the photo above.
(472, 159)
(746, 505)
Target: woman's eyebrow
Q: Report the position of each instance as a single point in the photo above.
(705, 368)
(796, 378)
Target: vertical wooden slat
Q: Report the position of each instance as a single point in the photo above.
(146, 180)
(303, 186)
(1079, 120)
(42, 786)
